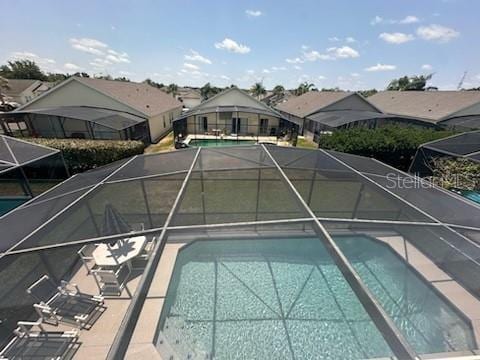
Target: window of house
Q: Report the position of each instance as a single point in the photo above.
(205, 123)
(263, 126)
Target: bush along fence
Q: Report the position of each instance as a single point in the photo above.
(81, 155)
(394, 145)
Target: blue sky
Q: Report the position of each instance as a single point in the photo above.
(351, 44)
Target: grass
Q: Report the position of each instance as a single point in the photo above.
(166, 144)
(307, 144)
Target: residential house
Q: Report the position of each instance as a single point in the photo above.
(21, 91)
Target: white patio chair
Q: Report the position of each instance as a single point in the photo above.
(140, 261)
(65, 303)
(28, 343)
(113, 281)
(85, 254)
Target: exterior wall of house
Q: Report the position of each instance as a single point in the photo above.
(26, 95)
(190, 103)
(76, 94)
(161, 124)
(250, 124)
(235, 97)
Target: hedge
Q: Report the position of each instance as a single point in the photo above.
(81, 155)
(394, 145)
(456, 173)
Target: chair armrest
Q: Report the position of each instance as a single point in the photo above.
(44, 308)
(98, 298)
(65, 287)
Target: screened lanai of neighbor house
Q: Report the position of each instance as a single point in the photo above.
(255, 251)
(81, 122)
(232, 116)
(27, 170)
(460, 146)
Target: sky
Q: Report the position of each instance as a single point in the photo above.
(352, 44)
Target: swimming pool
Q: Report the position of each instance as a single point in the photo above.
(286, 298)
(219, 142)
(472, 195)
(7, 205)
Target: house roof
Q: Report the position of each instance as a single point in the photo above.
(222, 103)
(310, 102)
(431, 105)
(140, 96)
(17, 86)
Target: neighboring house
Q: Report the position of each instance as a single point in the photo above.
(453, 109)
(189, 97)
(128, 104)
(273, 99)
(316, 112)
(233, 115)
(22, 91)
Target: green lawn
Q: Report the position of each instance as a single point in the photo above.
(304, 143)
(166, 144)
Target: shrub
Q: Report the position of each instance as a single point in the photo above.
(456, 173)
(81, 155)
(394, 145)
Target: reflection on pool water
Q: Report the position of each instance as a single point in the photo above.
(285, 298)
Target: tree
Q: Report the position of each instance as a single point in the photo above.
(335, 89)
(172, 89)
(153, 83)
(22, 69)
(367, 93)
(278, 90)
(304, 88)
(103, 77)
(123, 78)
(258, 89)
(207, 91)
(3, 86)
(408, 83)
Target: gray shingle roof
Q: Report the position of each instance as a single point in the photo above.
(431, 105)
(310, 102)
(16, 86)
(140, 96)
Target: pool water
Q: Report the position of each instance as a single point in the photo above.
(7, 205)
(472, 195)
(219, 142)
(286, 299)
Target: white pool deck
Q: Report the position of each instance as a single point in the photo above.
(95, 342)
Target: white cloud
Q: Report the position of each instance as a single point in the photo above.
(117, 57)
(253, 13)
(266, 71)
(191, 67)
(376, 20)
(224, 77)
(125, 73)
(296, 60)
(278, 68)
(380, 67)
(350, 39)
(355, 75)
(410, 19)
(100, 63)
(333, 39)
(396, 38)
(232, 46)
(91, 46)
(343, 52)
(437, 33)
(26, 55)
(71, 67)
(427, 67)
(314, 55)
(296, 67)
(321, 77)
(195, 56)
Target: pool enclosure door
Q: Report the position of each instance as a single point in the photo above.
(239, 125)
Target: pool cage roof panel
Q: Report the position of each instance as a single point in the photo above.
(342, 117)
(113, 119)
(15, 152)
(254, 187)
(465, 145)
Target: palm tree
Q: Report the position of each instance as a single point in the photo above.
(258, 89)
(3, 86)
(278, 90)
(304, 88)
(172, 89)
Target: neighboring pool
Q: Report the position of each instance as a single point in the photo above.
(285, 298)
(7, 205)
(472, 195)
(219, 142)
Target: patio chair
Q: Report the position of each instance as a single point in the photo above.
(140, 261)
(113, 281)
(65, 303)
(39, 344)
(86, 256)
